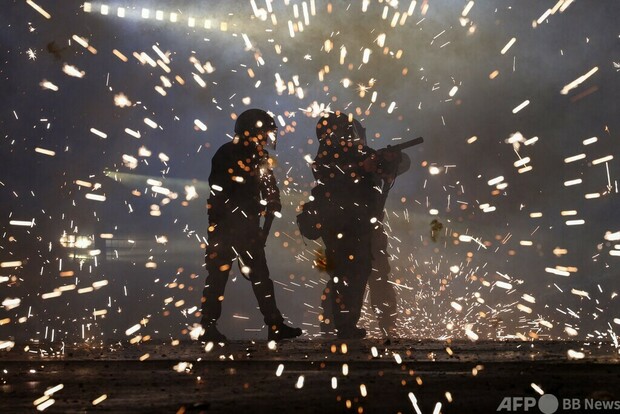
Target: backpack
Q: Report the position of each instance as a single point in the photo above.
(309, 221)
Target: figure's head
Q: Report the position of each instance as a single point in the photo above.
(257, 125)
(359, 131)
(335, 126)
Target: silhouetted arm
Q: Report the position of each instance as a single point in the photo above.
(269, 190)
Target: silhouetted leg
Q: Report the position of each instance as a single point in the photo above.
(351, 261)
(262, 285)
(218, 260)
(327, 323)
(382, 293)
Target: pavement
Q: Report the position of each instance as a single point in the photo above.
(310, 376)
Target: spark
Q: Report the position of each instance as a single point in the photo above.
(121, 100)
(572, 182)
(590, 141)
(467, 8)
(39, 9)
(51, 391)
(495, 180)
(45, 84)
(32, 55)
(150, 123)
(48, 403)
(414, 402)
(15, 263)
(135, 134)
(571, 331)
(572, 354)
(508, 45)
(100, 399)
(73, 71)
(520, 106)
(120, 55)
(567, 88)
(602, 159)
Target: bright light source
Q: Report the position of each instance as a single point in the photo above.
(104, 9)
(120, 12)
(146, 13)
(80, 242)
(88, 7)
(159, 15)
(174, 17)
(191, 22)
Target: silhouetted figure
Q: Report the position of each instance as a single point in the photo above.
(382, 293)
(346, 201)
(243, 189)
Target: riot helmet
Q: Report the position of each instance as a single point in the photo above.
(359, 131)
(335, 125)
(257, 124)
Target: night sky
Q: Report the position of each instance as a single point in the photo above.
(108, 125)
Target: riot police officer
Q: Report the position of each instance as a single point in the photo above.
(243, 189)
(344, 193)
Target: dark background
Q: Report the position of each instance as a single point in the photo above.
(438, 52)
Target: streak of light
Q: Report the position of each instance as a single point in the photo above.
(574, 158)
(414, 402)
(51, 391)
(46, 404)
(575, 354)
(98, 133)
(573, 182)
(602, 159)
(23, 223)
(495, 180)
(120, 55)
(521, 106)
(557, 272)
(467, 8)
(99, 399)
(572, 85)
(150, 123)
(508, 45)
(45, 84)
(40, 10)
(95, 197)
(300, 382)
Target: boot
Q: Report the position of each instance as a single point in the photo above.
(281, 331)
(211, 334)
(388, 331)
(351, 333)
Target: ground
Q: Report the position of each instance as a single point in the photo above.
(151, 377)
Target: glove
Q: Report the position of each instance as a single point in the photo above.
(370, 163)
(273, 206)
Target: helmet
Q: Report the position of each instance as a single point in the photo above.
(359, 131)
(254, 122)
(334, 124)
